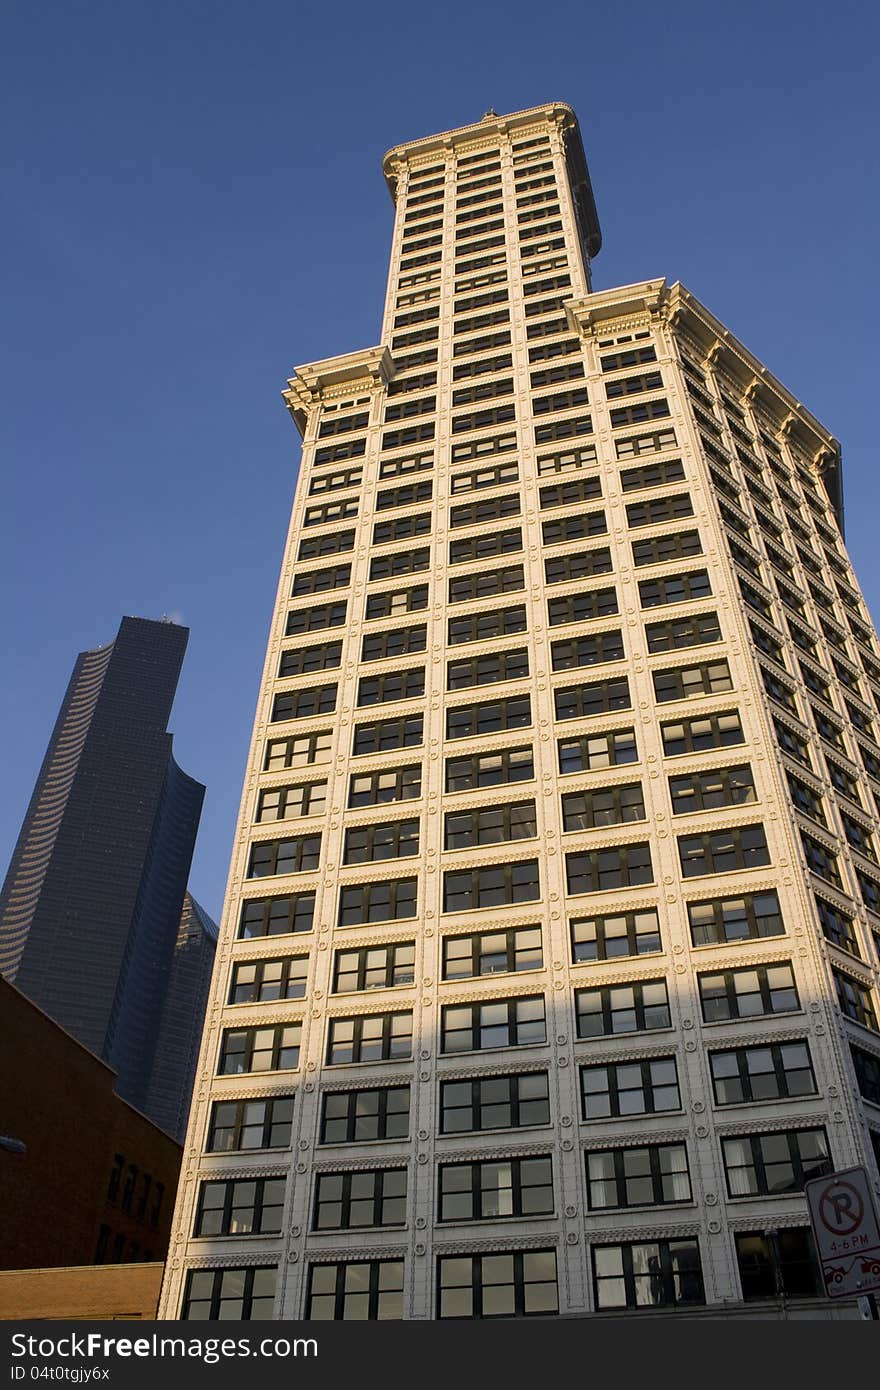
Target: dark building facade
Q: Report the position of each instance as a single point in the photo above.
(87, 1179)
(183, 1012)
(91, 907)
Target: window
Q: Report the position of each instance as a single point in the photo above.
(400, 642)
(333, 482)
(330, 511)
(488, 584)
(396, 602)
(374, 967)
(397, 685)
(495, 1188)
(284, 856)
(837, 927)
(364, 844)
(613, 937)
(495, 1023)
(490, 509)
(867, 1070)
(568, 494)
(337, 453)
(400, 562)
(319, 581)
(858, 836)
(636, 414)
(805, 798)
(831, 732)
(405, 496)
(258, 981)
(283, 803)
(597, 649)
(683, 632)
(515, 1284)
(775, 1263)
(686, 682)
(332, 544)
(301, 660)
(752, 916)
(350, 1117)
(820, 860)
(658, 550)
(244, 1208)
(779, 691)
(483, 547)
(492, 716)
(614, 1009)
(490, 825)
(584, 565)
(630, 1088)
(580, 607)
(377, 902)
(703, 791)
(493, 886)
(489, 769)
(492, 953)
(591, 752)
(369, 1038)
(759, 1165)
(475, 479)
(304, 704)
(393, 784)
(590, 810)
(651, 474)
(776, 1072)
(698, 735)
(238, 1294)
(598, 697)
(653, 510)
(674, 588)
(792, 743)
(765, 643)
(414, 463)
(355, 1290)
(565, 460)
(854, 1000)
(261, 1123)
(574, 528)
(259, 1049)
(494, 1102)
(486, 670)
(341, 424)
(633, 385)
(653, 1176)
(352, 1201)
(662, 1273)
(276, 916)
(385, 734)
(619, 866)
(765, 989)
(630, 358)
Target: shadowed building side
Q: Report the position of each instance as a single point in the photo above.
(180, 1027)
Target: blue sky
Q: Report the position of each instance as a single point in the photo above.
(192, 203)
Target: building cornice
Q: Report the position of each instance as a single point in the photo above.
(314, 382)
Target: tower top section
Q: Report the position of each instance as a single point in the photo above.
(493, 129)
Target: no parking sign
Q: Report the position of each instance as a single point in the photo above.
(847, 1232)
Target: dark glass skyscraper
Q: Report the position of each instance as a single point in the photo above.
(91, 907)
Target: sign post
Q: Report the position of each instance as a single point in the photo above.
(846, 1229)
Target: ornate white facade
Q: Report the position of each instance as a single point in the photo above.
(532, 518)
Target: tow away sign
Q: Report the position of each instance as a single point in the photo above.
(847, 1232)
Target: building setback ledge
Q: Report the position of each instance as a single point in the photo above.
(312, 382)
